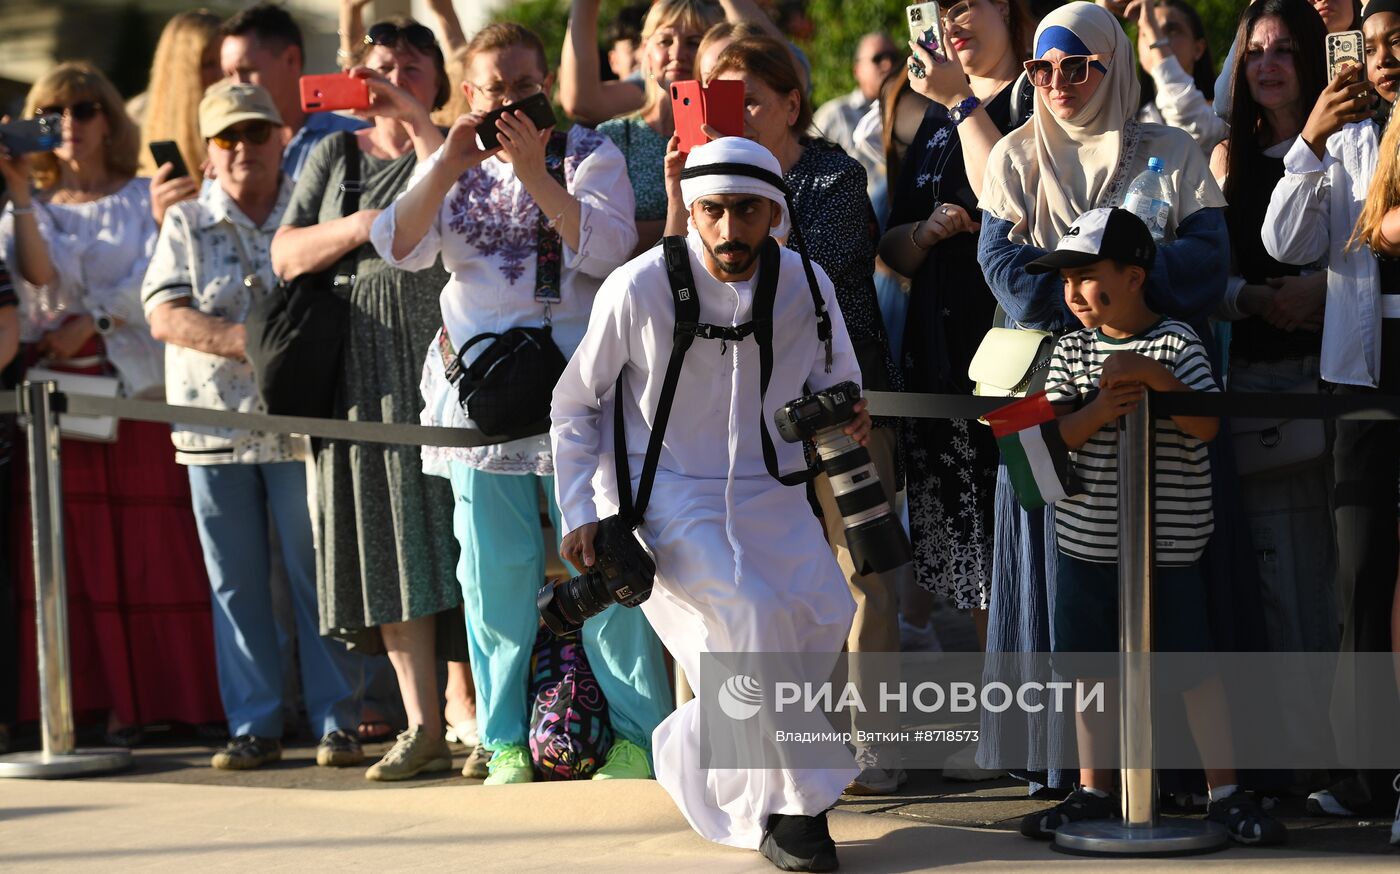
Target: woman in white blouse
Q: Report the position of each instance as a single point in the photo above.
(78, 235)
(486, 212)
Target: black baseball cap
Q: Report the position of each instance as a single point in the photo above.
(1100, 235)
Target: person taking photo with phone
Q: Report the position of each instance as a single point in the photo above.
(1314, 217)
(527, 232)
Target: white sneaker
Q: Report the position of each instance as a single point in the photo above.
(878, 781)
(1324, 803)
(962, 766)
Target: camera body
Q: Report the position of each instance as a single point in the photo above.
(622, 573)
(874, 534)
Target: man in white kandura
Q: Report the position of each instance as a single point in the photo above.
(742, 564)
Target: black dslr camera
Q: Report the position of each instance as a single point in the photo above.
(873, 534)
(622, 573)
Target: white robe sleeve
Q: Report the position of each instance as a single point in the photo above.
(1297, 224)
(607, 226)
(1183, 105)
(844, 365)
(381, 234)
(577, 407)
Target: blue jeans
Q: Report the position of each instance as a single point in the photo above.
(497, 520)
(233, 505)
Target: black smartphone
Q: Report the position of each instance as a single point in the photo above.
(536, 108)
(167, 152)
(42, 134)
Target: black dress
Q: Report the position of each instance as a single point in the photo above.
(950, 465)
(838, 226)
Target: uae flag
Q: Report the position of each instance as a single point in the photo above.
(1035, 453)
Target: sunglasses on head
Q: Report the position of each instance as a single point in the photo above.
(83, 110)
(254, 133)
(388, 35)
(1073, 69)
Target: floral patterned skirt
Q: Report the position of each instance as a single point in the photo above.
(950, 473)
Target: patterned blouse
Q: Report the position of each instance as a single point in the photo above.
(487, 234)
(645, 151)
(833, 211)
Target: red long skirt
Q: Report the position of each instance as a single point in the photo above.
(140, 634)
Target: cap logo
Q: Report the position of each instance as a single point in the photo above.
(1073, 231)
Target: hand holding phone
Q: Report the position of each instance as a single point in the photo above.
(926, 29)
(167, 152)
(720, 107)
(535, 107)
(1342, 49)
(333, 92)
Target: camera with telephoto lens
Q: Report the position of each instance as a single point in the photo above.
(873, 534)
(622, 573)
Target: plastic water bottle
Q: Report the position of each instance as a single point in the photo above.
(1150, 198)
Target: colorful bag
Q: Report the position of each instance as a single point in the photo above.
(570, 733)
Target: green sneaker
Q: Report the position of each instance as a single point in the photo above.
(626, 761)
(509, 765)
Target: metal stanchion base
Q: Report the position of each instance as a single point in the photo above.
(37, 766)
(1114, 838)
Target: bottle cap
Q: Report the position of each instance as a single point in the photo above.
(1155, 164)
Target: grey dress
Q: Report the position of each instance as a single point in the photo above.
(387, 551)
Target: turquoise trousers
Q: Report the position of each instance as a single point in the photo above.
(497, 521)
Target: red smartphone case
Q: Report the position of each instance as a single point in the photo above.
(721, 106)
(333, 91)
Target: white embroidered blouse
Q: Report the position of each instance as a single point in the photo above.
(487, 233)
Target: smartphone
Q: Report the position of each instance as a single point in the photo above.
(536, 108)
(42, 134)
(926, 25)
(1343, 49)
(721, 106)
(333, 91)
(167, 152)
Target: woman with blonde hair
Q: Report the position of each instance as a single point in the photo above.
(78, 235)
(671, 35)
(186, 62)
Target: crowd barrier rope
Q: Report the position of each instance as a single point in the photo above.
(1141, 831)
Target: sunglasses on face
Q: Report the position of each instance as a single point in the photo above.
(254, 133)
(1073, 69)
(389, 35)
(884, 58)
(959, 14)
(83, 110)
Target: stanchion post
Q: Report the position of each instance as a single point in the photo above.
(58, 757)
(1140, 832)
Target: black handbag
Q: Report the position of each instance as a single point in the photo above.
(296, 332)
(507, 390)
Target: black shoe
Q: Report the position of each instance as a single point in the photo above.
(799, 843)
(1246, 822)
(339, 749)
(1080, 805)
(246, 752)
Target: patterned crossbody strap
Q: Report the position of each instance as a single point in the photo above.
(549, 258)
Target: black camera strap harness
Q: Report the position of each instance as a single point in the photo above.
(688, 327)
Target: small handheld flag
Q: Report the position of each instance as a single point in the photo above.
(1035, 453)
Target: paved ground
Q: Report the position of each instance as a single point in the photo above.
(172, 812)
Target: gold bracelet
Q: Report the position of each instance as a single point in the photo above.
(913, 236)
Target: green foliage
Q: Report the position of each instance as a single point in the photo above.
(839, 25)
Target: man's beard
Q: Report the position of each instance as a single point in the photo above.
(727, 248)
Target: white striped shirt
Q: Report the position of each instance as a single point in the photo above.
(1086, 525)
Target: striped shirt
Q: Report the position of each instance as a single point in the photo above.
(1086, 525)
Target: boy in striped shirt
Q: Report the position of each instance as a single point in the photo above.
(1097, 375)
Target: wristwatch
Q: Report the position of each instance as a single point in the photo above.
(104, 323)
(964, 109)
